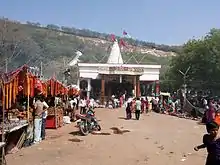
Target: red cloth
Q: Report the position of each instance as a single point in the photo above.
(38, 85)
(121, 101)
(20, 88)
(113, 38)
(122, 43)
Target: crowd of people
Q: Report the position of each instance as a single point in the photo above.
(70, 105)
(137, 106)
(211, 140)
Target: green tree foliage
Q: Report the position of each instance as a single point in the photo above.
(203, 56)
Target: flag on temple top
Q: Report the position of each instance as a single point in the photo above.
(113, 39)
(122, 43)
(126, 34)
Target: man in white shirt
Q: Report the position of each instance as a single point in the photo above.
(82, 106)
(91, 103)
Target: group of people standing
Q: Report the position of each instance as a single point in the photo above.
(137, 106)
(70, 106)
(76, 103)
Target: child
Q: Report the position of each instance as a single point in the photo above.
(212, 143)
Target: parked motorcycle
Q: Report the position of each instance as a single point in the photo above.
(87, 123)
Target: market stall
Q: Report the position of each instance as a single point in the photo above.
(17, 93)
(56, 93)
(55, 117)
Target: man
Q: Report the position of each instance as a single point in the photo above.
(38, 111)
(91, 103)
(205, 102)
(82, 106)
(44, 119)
(73, 103)
(137, 108)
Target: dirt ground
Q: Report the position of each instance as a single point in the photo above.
(155, 140)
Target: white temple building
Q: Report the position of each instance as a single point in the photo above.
(116, 72)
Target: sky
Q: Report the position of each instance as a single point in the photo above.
(170, 22)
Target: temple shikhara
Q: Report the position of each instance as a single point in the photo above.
(101, 81)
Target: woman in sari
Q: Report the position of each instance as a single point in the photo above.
(128, 111)
(133, 105)
(142, 105)
(210, 114)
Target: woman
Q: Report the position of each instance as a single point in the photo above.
(210, 114)
(142, 105)
(128, 111)
(133, 105)
(146, 105)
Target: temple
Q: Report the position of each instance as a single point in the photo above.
(101, 81)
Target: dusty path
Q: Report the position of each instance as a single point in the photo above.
(154, 140)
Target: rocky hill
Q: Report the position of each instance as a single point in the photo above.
(54, 47)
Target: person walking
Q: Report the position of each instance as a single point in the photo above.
(146, 105)
(128, 110)
(137, 108)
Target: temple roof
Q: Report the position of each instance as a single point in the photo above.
(115, 55)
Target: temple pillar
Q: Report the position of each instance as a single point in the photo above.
(138, 87)
(109, 91)
(135, 86)
(157, 88)
(88, 88)
(102, 91)
(78, 82)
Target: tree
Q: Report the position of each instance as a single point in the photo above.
(9, 45)
(54, 27)
(203, 56)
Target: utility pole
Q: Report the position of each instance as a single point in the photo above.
(6, 65)
(41, 69)
(64, 62)
(184, 82)
(66, 72)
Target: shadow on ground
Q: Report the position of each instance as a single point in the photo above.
(75, 140)
(75, 133)
(54, 137)
(124, 118)
(119, 131)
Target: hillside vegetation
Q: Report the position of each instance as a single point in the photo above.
(55, 46)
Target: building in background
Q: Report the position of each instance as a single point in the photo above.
(101, 81)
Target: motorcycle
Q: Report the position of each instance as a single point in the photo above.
(87, 123)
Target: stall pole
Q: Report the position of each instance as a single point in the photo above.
(3, 161)
(28, 97)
